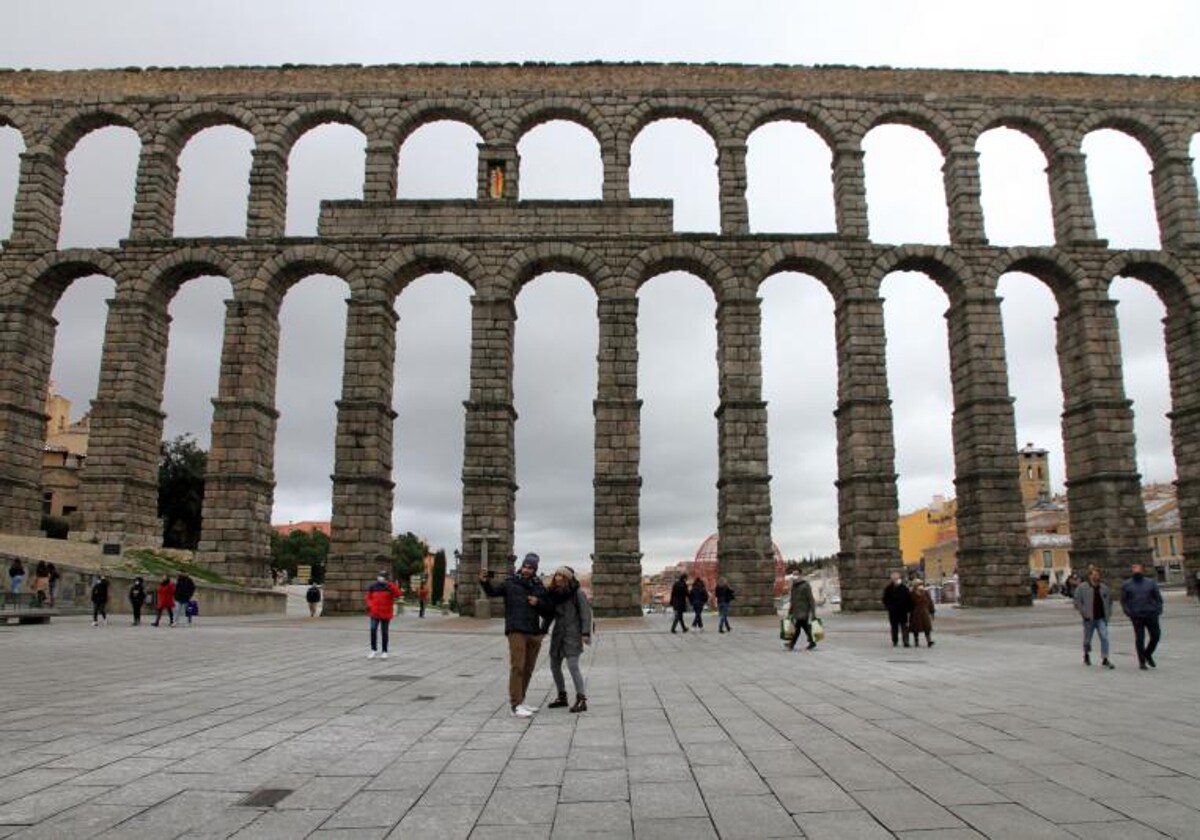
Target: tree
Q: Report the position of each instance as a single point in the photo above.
(181, 491)
(408, 556)
(300, 548)
(437, 589)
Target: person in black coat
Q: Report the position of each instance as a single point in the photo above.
(679, 601)
(99, 600)
(313, 598)
(525, 603)
(897, 600)
(699, 598)
(185, 591)
(137, 598)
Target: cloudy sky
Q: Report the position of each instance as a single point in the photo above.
(556, 335)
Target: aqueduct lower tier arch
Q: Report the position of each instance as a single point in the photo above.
(495, 241)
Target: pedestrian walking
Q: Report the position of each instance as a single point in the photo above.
(572, 631)
(1093, 602)
(725, 596)
(1142, 601)
(164, 599)
(16, 576)
(679, 601)
(41, 582)
(53, 575)
(920, 616)
(802, 610)
(897, 600)
(381, 600)
(99, 600)
(313, 598)
(422, 597)
(137, 599)
(185, 592)
(524, 605)
(699, 598)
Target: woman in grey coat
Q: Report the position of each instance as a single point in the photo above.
(572, 630)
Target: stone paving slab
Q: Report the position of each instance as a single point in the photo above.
(998, 732)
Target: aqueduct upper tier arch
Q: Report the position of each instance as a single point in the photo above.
(494, 241)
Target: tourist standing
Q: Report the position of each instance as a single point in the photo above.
(802, 610)
(99, 600)
(185, 591)
(381, 600)
(137, 599)
(679, 601)
(524, 597)
(41, 582)
(16, 576)
(572, 630)
(1094, 604)
(1142, 601)
(52, 573)
(313, 598)
(164, 599)
(422, 597)
(897, 600)
(920, 617)
(699, 598)
(725, 595)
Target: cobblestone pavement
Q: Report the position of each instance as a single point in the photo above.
(997, 731)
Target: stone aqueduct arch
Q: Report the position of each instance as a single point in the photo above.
(379, 244)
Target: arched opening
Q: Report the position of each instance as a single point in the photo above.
(560, 159)
(677, 159)
(918, 368)
(439, 160)
(1029, 311)
(328, 162)
(194, 357)
(81, 314)
(1118, 174)
(214, 183)
(1015, 193)
(99, 192)
(906, 197)
(677, 381)
(799, 363)
(1194, 154)
(432, 378)
(789, 186)
(312, 333)
(554, 384)
(1140, 314)
(12, 145)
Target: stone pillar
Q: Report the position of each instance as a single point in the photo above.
(382, 170)
(868, 514)
(1183, 356)
(1070, 200)
(993, 546)
(1176, 201)
(154, 205)
(37, 211)
(1107, 515)
(240, 481)
(26, 351)
(850, 192)
(616, 565)
(960, 174)
(499, 158)
(119, 489)
(267, 205)
(362, 474)
(616, 171)
(731, 178)
(745, 555)
(489, 461)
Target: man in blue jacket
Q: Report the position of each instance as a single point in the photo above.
(525, 601)
(1143, 603)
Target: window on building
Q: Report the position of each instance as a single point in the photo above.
(1171, 544)
(1047, 559)
(47, 503)
(1157, 547)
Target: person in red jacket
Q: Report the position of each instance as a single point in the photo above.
(164, 599)
(381, 606)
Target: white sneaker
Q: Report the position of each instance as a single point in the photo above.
(528, 708)
(383, 655)
(522, 712)
(371, 655)
(94, 624)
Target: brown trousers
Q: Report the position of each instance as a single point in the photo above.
(522, 657)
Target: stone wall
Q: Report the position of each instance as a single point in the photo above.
(496, 243)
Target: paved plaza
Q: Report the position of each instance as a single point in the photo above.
(281, 727)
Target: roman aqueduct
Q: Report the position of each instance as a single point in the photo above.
(498, 242)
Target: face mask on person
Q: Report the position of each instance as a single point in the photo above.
(1138, 575)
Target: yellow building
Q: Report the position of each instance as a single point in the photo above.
(63, 456)
(926, 527)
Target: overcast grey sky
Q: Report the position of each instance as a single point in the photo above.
(556, 337)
